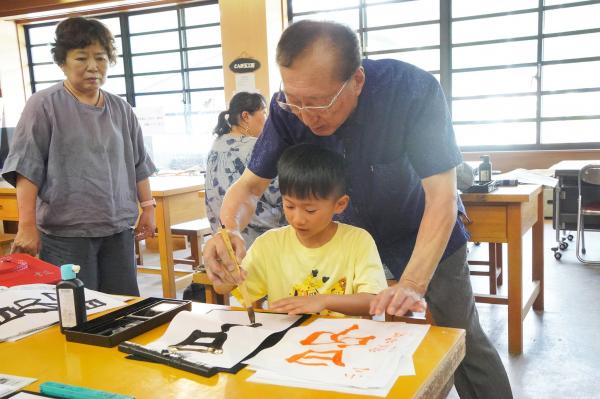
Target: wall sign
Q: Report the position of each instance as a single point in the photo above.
(244, 65)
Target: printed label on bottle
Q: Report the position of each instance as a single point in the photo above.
(66, 300)
(484, 175)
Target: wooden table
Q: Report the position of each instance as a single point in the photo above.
(8, 202)
(48, 357)
(176, 202)
(503, 216)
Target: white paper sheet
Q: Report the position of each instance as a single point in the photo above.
(273, 322)
(27, 395)
(529, 177)
(405, 367)
(240, 339)
(12, 383)
(151, 119)
(272, 378)
(341, 353)
(245, 82)
(26, 309)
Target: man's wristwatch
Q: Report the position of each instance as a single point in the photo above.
(145, 204)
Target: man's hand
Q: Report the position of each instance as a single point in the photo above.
(299, 304)
(397, 300)
(219, 266)
(237, 209)
(27, 241)
(146, 225)
(439, 217)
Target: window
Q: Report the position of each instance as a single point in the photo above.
(403, 30)
(519, 74)
(494, 72)
(44, 72)
(170, 63)
(570, 82)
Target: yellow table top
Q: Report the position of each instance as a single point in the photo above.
(47, 356)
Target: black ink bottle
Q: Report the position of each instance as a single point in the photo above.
(71, 298)
(485, 169)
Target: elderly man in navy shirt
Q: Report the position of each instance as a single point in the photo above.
(390, 121)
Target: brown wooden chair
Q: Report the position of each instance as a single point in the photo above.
(183, 278)
(494, 264)
(200, 277)
(194, 231)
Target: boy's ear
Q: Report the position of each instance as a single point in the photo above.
(341, 204)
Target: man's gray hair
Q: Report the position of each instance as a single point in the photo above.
(301, 35)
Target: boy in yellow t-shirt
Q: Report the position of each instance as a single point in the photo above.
(315, 264)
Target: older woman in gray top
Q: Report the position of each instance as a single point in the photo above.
(78, 152)
(237, 130)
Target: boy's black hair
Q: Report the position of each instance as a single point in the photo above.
(309, 170)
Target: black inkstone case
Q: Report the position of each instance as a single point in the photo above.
(482, 187)
(127, 322)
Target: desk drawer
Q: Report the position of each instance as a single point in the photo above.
(488, 223)
(8, 208)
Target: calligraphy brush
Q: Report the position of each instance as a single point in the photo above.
(244, 291)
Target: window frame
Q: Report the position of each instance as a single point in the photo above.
(126, 57)
(446, 46)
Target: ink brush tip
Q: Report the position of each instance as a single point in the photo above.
(251, 315)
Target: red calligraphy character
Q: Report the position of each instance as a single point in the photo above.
(315, 358)
(337, 338)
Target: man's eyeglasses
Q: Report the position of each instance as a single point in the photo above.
(297, 109)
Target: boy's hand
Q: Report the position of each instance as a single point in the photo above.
(299, 304)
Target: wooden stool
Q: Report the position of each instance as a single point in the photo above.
(494, 263)
(200, 277)
(195, 231)
(6, 241)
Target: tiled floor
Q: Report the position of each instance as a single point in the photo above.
(561, 346)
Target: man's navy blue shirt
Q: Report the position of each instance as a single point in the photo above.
(399, 133)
